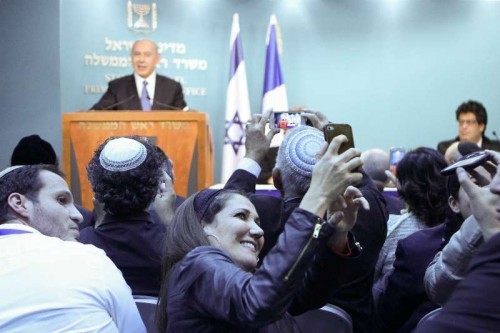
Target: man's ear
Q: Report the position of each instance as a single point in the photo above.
(19, 204)
(277, 182)
(454, 206)
(481, 128)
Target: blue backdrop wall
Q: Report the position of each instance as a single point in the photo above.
(394, 69)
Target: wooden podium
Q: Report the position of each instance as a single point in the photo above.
(184, 136)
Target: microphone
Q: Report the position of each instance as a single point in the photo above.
(109, 107)
(495, 135)
(168, 106)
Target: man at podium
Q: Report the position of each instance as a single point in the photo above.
(143, 90)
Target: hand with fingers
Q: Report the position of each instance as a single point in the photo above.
(343, 213)
(257, 142)
(164, 203)
(484, 198)
(392, 179)
(331, 175)
(316, 118)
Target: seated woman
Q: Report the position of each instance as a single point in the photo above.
(424, 192)
(211, 282)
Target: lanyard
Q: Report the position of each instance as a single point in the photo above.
(4, 232)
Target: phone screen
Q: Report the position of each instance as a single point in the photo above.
(395, 155)
(286, 119)
(333, 130)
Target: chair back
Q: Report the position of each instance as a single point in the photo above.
(429, 317)
(147, 309)
(329, 318)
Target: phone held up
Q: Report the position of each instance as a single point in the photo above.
(468, 162)
(286, 119)
(395, 155)
(333, 130)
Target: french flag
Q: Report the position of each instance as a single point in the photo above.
(274, 96)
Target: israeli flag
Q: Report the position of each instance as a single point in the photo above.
(237, 105)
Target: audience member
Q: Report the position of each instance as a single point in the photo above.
(50, 285)
(145, 89)
(473, 305)
(423, 189)
(126, 176)
(375, 163)
(292, 175)
(213, 244)
(472, 120)
(451, 264)
(31, 150)
(404, 301)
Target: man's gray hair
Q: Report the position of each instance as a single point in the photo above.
(296, 159)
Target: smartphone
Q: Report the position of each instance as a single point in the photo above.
(468, 162)
(286, 119)
(395, 155)
(333, 130)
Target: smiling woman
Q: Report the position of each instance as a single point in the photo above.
(211, 281)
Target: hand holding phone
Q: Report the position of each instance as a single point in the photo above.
(467, 162)
(333, 130)
(286, 119)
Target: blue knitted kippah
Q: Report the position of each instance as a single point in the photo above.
(301, 148)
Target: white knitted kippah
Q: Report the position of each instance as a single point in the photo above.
(122, 154)
(10, 169)
(301, 149)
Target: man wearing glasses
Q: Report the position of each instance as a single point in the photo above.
(472, 120)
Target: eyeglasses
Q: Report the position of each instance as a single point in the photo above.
(467, 122)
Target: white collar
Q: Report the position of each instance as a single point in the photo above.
(19, 226)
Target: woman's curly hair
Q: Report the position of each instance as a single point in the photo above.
(421, 185)
(124, 192)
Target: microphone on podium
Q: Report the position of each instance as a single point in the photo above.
(168, 106)
(495, 135)
(109, 107)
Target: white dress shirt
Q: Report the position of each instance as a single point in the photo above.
(50, 285)
(139, 84)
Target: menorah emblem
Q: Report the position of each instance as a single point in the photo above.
(142, 11)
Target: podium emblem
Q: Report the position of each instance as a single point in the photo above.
(141, 17)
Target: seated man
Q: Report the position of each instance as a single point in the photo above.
(127, 175)
(375, 163)
(32, 149)
(472, 120)
(50, 285)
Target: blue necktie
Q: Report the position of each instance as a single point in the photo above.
(146, 105)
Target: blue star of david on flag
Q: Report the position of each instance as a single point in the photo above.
(235, 133)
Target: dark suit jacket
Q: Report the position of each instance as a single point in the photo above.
(122, 95)
(487, 144)
(405, 290)
(135, 245)
(473, 305)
